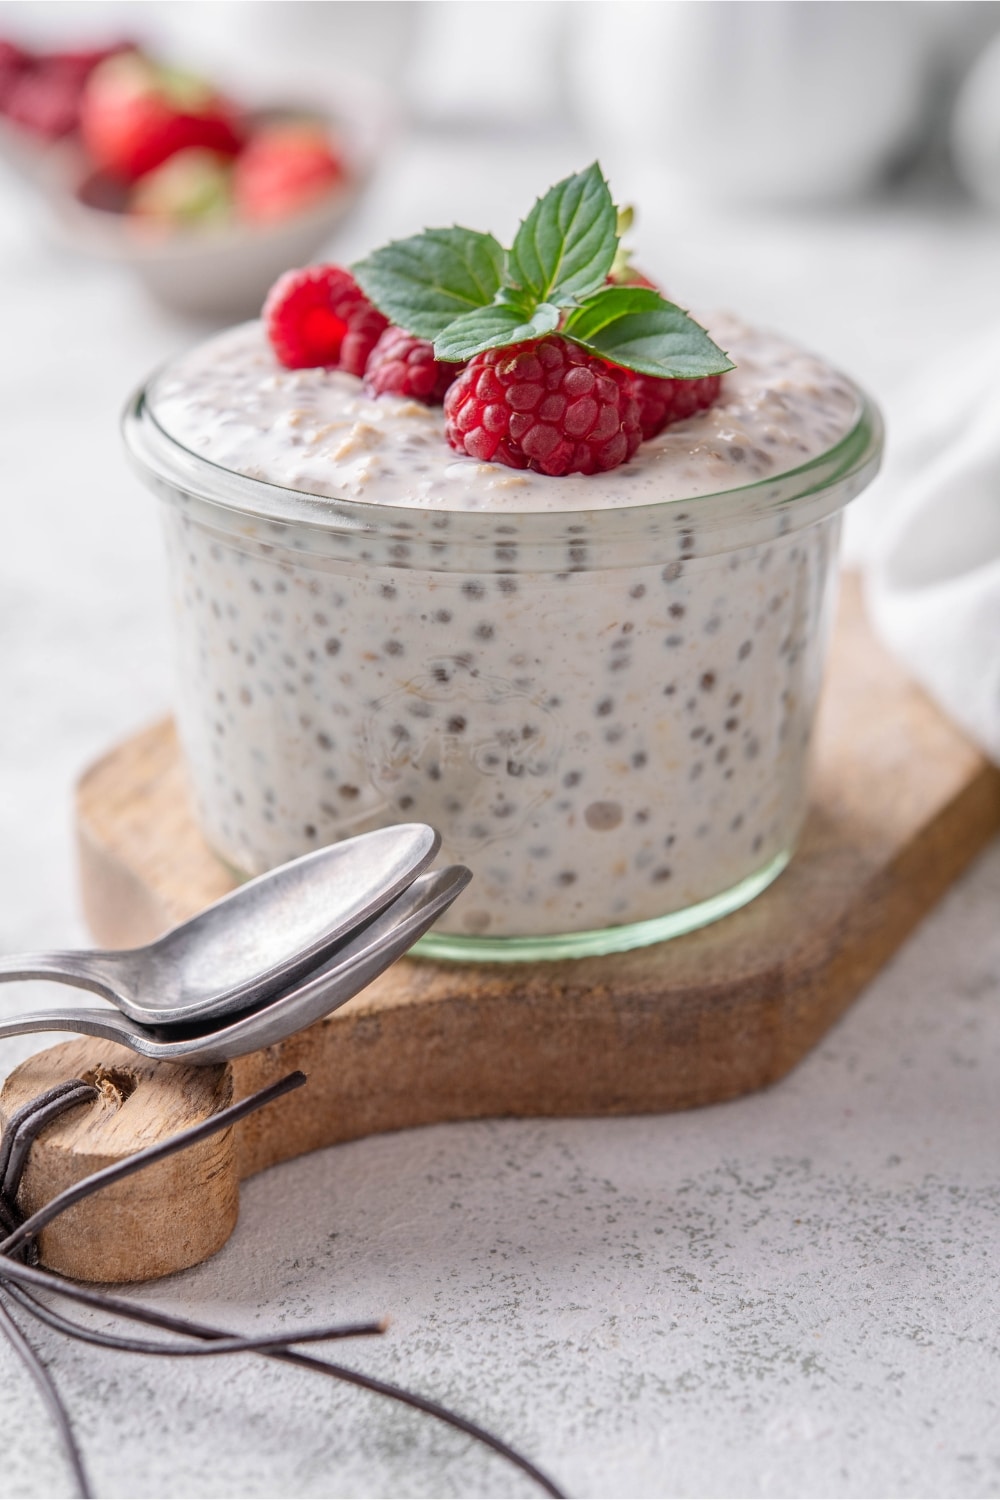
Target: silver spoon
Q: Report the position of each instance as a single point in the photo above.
(357, 963)
(254, 942)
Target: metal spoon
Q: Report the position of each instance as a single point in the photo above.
(357, 963)
(254, 942)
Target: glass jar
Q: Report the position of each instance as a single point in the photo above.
(605, 713)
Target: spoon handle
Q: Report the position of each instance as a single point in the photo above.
(85, 971)
(86, 1022)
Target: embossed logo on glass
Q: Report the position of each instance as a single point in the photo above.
(469, 753)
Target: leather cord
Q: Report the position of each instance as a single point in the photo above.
(21, 1281)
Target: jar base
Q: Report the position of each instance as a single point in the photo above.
(453, 948)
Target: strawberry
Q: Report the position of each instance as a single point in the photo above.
(284, 169)
(192, 187)
(135, 114)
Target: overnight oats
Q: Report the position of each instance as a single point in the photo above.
(591, 661)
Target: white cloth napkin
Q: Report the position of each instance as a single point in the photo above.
(932, 551)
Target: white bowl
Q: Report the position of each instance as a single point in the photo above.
(219, 272)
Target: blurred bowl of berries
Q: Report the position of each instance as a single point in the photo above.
(204, 199)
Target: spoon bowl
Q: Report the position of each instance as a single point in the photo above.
(254, 942)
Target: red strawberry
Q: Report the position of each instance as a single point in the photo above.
(664, 401)
(284, 169)
(401, 365)
(546, 405)
(320, 316)
(193, 187)
(134, 115)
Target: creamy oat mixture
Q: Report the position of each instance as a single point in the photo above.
(602, 741)
(316, 430)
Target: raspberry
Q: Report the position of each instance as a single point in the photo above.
(546, 405)
(46, 104)
(664, 401)
(320, 316)
(13, 57)
(630, 275)
(14, 64)
(401, 365)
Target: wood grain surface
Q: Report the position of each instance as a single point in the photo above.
(152, 1223)
(901, 803)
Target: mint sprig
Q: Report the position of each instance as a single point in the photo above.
(459, 288)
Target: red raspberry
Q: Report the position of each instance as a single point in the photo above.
(630, 275)
(664, 401)
(320, 316)
(401, 365)
(12, 56)
(46, 104)
(546, 405)
(14, 63)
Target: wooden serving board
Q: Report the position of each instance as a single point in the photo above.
(901, 804)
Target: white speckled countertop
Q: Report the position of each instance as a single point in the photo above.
(794, 1294)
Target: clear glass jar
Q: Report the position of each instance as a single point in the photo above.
(605, 713)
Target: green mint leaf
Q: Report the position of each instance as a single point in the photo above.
(426, 282)
(636, 327)
(492, 328)
(565, 246)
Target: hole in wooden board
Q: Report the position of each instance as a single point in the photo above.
(115, 1085)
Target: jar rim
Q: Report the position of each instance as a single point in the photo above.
(827, 481)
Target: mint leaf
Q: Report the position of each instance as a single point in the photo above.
(426, 282)
(565, 246)
(636, 327)
(491, 328)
